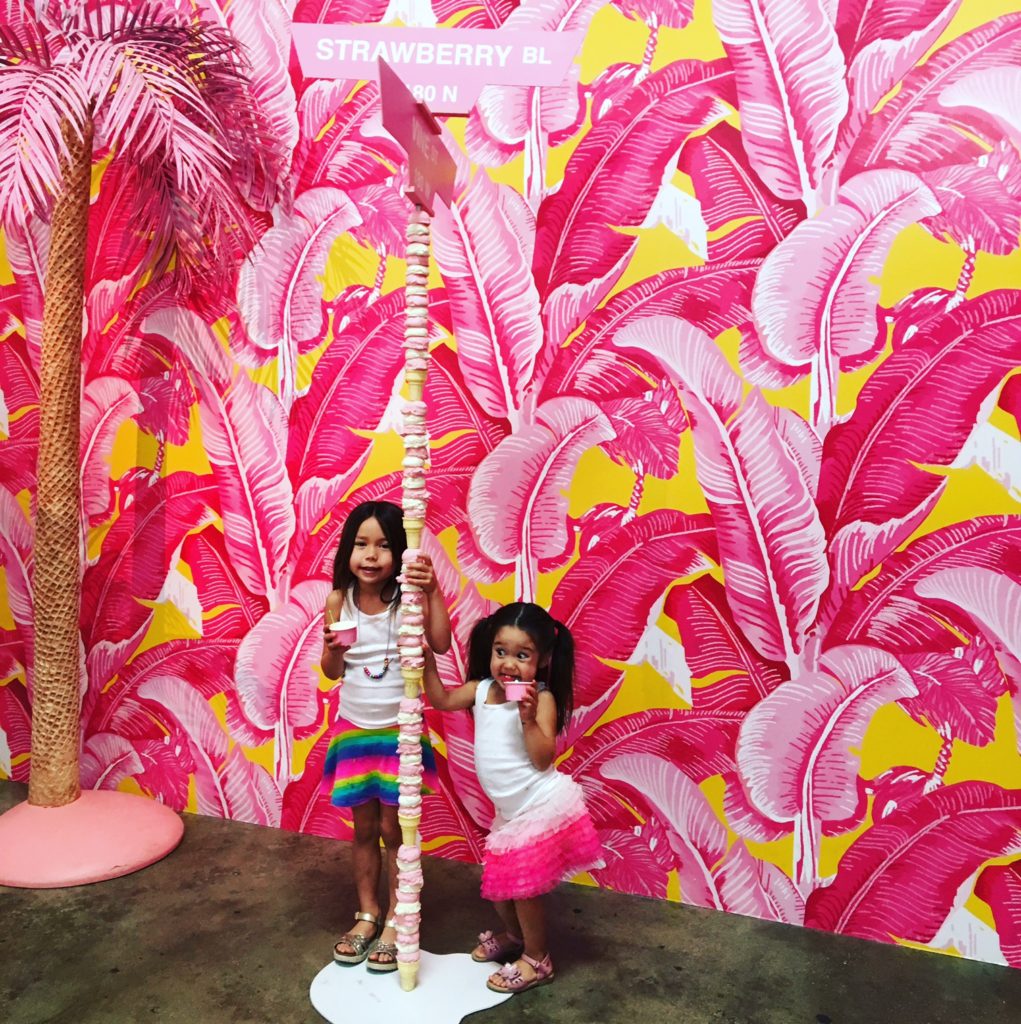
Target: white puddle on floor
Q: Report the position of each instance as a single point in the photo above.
(449, 988)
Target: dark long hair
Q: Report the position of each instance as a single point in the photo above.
(552, 640)
(391, 522)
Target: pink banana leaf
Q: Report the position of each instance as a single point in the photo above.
(166, 397)
(274, 673)
(956, 695)
(697, 838)
(204, 666)
(900, 878)
(610, 184)
(155, 766)
(1010, 399)
(280, 291)
(991, 92)
(757, 888)
(658, 13)
(384, 212)
(816, 293)
(619, 581)
(453, 411)
(244, 432)
(897, 789)
(449, 829)
(19, 386)
(791, 90)
(305, 808)
(731, 195)
(715, 647)
(746, 820)
(713, 298)
(802, 443)
(229, 609)
(517, 502)
(16, 725)
(647, 431)
(365, 357)
(107, 404)
(194, 340)
(264, 31)
(887, 611)
(978, 210)
(16, 557)
(638, 860)
(993, 601)
(699, 743)
(771, 541)
(474, 13)
(882, 43)
(509, 119)
(999, 885)
(796, 753)
(483, 247)
(227, 784)
(342, 142)
(138, 551)
(27, 248)
(916, 410)
(340, 12)
(912, 130)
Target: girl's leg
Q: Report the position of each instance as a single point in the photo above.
(390, 830)
(367, 864)
(533, 930)
(511, 927)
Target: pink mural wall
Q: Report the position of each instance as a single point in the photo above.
(733, 391)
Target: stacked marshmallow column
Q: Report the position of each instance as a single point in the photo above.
(410, 632)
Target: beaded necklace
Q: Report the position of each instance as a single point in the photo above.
(387, 659)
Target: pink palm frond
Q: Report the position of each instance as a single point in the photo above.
(38, 98)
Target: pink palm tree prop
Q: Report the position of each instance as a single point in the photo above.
(167, 96)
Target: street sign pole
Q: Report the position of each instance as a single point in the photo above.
(431, 172)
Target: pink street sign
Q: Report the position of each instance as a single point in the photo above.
(447, 67)
(431, 169)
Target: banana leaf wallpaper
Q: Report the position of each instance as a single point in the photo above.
(727, 332)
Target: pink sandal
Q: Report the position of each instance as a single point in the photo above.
(513, 980)
(497, 949)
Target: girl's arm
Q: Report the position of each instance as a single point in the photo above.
(441, 698)
(332, 660)
(434, 611)
(538, 713)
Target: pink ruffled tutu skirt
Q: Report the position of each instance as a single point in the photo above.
(542, 846)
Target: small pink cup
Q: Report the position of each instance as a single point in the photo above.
(346, 631)
(517, 691)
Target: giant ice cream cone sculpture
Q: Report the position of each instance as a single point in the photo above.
(415, 498)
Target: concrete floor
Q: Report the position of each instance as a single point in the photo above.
(232, 927)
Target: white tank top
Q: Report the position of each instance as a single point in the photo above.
(372, 703)
(504, 768)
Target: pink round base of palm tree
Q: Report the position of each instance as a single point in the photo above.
(103, 834)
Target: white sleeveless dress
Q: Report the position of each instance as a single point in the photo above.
(542, 833)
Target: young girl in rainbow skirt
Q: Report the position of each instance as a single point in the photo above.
(520, 672)
(361, 770)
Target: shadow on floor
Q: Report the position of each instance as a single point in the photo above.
(232, 927)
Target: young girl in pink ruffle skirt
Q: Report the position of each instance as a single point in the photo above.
(520, 671)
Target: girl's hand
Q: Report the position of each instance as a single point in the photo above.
(420, 574)
(528, 705)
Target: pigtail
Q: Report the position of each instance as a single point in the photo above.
(561, 673)
(480, 646)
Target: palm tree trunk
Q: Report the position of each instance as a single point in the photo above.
(56, 710)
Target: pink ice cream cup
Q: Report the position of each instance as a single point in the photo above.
(346, 631)
(517, 690)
